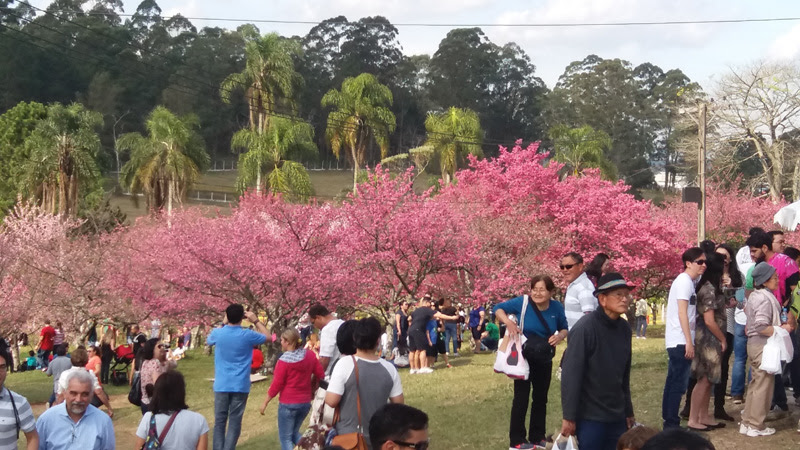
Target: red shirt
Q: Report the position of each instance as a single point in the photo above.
(293, 380)
(258, 359)
(48, 334)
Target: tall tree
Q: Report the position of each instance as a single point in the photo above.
(62, 165)
(763, 106)
(165, 164)
(360, 115)
(16, 125)
(582, 148)
(269, 79)
(270, 156)
(454, 134)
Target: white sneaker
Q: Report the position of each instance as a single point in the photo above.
(413, 371)
(743, 429)
(752, 432)
(644, 337)
(455, 355)
(425, 370)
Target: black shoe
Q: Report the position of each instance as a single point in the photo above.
(684, 414)
(700, 429)
(722, 415)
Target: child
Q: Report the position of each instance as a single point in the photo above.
(31, 361)
(399, 355)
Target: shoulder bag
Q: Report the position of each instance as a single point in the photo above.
(353, 441)
(537, 348)
(153, 440)
(135, 394)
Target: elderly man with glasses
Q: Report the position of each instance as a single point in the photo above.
(75, 423)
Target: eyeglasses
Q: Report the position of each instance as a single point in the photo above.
(539, 291)
(700, 262)
(566, 266)
(418, 446)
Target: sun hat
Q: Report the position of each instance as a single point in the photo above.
(611, 281)
(761, 273)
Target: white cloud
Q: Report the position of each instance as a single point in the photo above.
(786, 46)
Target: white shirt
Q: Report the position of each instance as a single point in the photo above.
(579, 299)
(184, 434)
(682, 290)
(327, 344)
(743, 257)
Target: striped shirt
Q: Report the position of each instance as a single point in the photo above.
(8, 420)
(579, 299)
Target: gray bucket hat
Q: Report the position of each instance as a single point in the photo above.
(762, 272)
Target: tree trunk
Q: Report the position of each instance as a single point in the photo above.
(796, 181)
(169, 202)
(258, 179)
(355, 170)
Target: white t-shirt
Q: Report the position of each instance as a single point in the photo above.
(62, 380)
(184, 433)
(327, 344)
(682, 290)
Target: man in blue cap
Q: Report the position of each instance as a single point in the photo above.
(595, 377)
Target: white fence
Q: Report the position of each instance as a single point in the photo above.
(223, 165)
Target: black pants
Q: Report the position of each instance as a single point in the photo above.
(538, 385)
(105, 364)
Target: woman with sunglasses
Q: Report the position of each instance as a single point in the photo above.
(155, 363)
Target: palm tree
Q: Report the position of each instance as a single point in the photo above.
(166, 163)
(271, 152)
(582, 148)
(360, 115)
(453, 134)
(63, 150)
(269, 78)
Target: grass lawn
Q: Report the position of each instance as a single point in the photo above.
(469, 405)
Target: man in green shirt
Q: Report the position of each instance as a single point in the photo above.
(491, 336)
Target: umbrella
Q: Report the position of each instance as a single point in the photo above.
(788, 217)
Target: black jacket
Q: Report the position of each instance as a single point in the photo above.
(596, 370)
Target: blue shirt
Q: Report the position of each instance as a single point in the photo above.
(94, 431)
(431, 327)
(233, 356)
(553, 315)
(475, 316)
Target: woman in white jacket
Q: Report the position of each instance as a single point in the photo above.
(763, 317)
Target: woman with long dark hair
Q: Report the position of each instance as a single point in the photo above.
(733, 288)
(709, 342)
(154, 364)
(597, 267)
(188, 430)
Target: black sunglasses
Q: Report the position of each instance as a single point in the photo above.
(700, 262)
(418, 446)
(566, 266)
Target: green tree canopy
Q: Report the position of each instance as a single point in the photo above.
(453, 135)
(164, 164)
(360, 116)
(62, 166)
(582, 148)
(270, 155)
(16, 125)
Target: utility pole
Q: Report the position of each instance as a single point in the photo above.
(701, 171)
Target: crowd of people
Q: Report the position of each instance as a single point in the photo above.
(723, 304)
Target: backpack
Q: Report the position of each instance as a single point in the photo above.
(153, 440)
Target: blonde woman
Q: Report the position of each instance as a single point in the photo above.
(296, 377)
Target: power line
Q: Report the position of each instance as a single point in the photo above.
(483, 25)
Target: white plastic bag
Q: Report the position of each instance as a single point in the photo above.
(771, 355)
(565, 443)
(785, 342)
(509, 358)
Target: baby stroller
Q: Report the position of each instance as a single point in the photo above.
(123, 357)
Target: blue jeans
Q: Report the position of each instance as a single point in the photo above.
(675, 385)
(451, 333)
(593, 435)
(739, 360)
(44, 358)
(228, 411)
(290, 417)
(641, 326)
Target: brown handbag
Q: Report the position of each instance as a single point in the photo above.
(353, 441)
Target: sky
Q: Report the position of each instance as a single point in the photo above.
(703, 51)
